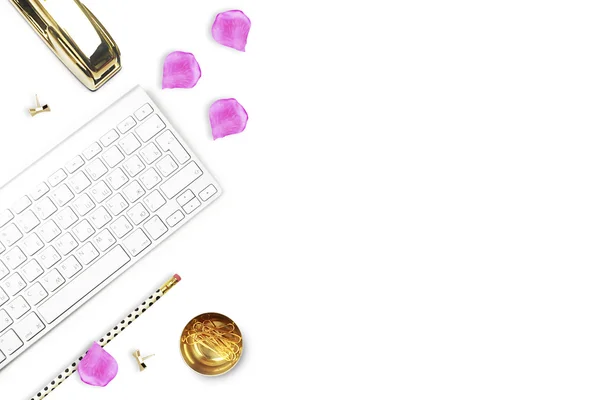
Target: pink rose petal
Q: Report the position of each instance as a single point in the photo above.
(227, 117)
(98, 367)
(231, 29)
(181, 70)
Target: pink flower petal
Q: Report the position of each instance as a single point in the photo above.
(98, 367)
(181, 70)
(231, 29)
(227, 117)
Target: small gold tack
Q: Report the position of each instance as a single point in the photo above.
(140, 360)
(38, 108)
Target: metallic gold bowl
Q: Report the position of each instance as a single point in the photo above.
(211, 344)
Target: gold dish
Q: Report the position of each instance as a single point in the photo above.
(211, 344)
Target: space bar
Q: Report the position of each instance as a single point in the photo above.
(83, 284)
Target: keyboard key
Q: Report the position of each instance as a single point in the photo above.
(3, 296)
(13, 285)
(74, 164)
(185, 197)
(155, 227)
(5, 320)
(21, 204)
(121, 227)
(175, 218)
(129, 144)
(27, 221)
(109, 138)
(92, 151)
(100, 192)
(57, 177)
(136, 242)
(79, 182)
(70, 267)
(87, 281)
(66, 218)
(14, 258)
(35, 293)
(2, 357)
(17, 308)
(62, 195)
(100, 217)
(150, 128)
(113, 156)
(181, 180)
(117, 204)
(144, 112)
(126, 125)
(52, 281)
(150, 153)
(4, 271)
(49, 257)
(166, 166)
(5, 217)
(191, 206)
(208, 192)
(10, 235)
(39, 191)
(154, 201)
(134, 191)
(2, 248)
(150, 178)
(49, 231)
(117, 179)
(134, 166)
(31, 244)
(168, 142)
(44, 208)
(29, 327)
(66, 244)
(96, 169)
(83, 231)
(138, 214)
(10, 342)
(32, 270)
(104, 240)
(83, 205)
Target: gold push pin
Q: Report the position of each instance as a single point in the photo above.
(39, 108)
(140, 360)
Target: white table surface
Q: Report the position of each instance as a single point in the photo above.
(413, 211)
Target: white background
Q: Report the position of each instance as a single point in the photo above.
(413, 211)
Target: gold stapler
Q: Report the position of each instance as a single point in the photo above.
(76, 37)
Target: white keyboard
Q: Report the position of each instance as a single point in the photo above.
(87, 211)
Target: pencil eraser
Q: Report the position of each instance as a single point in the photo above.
(177, 277)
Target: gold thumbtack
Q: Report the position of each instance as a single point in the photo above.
(140, 360)
(39, 108)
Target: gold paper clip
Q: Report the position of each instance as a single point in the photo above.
(140, 360)
(39, 108)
